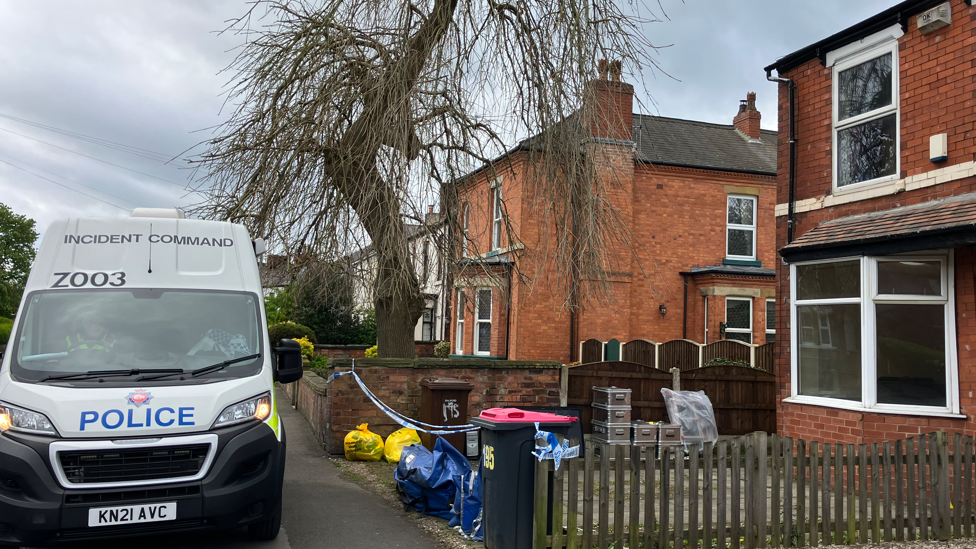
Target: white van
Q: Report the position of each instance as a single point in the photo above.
(137, 388)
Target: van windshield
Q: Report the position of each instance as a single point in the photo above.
(99, 335)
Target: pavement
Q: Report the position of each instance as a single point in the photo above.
(322, 510)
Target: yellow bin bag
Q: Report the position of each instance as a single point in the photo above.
(363, 445)
(396, 442)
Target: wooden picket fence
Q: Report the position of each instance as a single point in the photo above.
(758, 490)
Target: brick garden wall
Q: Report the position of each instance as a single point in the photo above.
(937, 95)
(425, 349)
(336, 408)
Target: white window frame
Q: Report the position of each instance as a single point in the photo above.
(478, 320)
(867, 299)
(739, 330)
(459, 333)
(875, 46)
(736, 226)
(465, 230)
(496, 215)
(773, 330)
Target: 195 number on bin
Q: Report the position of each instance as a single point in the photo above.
(489, 457)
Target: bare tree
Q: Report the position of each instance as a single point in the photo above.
(350, 116)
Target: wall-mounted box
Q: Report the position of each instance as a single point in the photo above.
(939, 147)
(934, 19)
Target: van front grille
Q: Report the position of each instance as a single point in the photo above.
(125, 465)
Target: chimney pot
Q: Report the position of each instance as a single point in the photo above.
(748, 118)
(430, 209)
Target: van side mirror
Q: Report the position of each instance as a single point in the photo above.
(288, 367)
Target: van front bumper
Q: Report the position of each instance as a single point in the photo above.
(241, 487)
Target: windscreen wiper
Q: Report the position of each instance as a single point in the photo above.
(199, 371)
(220, 365)
(97, 374)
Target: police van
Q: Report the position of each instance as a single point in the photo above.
(137, 388)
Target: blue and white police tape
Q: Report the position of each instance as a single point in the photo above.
(547, 446)
(402, 419)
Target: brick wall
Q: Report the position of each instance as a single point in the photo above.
(335, 409)
(937, 95)
(678, 217)
(423, 349)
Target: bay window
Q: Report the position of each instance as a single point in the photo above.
(738, 319)
(875, 333)
(482, 328)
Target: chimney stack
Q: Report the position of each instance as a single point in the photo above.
(611, 103)
(748, 118)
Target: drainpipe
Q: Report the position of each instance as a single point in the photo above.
(792, 92)
(684, 330)
(508, 315)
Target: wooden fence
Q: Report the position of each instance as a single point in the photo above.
(743, 399)
(758, 491)
(683, 354)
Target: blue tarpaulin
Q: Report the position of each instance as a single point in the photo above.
(430, 481)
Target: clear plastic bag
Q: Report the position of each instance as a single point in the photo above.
(692, 410)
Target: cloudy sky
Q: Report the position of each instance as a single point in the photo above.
(96, 93)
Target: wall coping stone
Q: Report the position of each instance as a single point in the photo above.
(315, 382)
(445, 363)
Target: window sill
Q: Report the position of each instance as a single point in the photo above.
(742, 262)
(482, 357)
(887, 181)
(856, 407)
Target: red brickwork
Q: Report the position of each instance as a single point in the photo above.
(342, 405)
(678, 219)
(937, 95)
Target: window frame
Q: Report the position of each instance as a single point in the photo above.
(477, 321)
(867, 300)
(735, 226)
(887, 44)
(739, 330)
(768, 330)
(496, 216)
(459, 324)
(465, 228)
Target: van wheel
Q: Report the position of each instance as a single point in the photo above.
(267, 530)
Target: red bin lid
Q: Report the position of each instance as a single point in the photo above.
(515, 415)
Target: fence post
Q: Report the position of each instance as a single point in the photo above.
(564, 386)
(657, 358)
(752, 355)
(541, 501)
(675, 379)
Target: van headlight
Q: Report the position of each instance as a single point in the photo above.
(13, 418)
(258, 408)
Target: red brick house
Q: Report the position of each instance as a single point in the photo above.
(875, 217)
(699, 197)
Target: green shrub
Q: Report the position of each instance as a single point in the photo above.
(442, 349)
(722, 361)
(289, 330)
(372, 352)
(5, 325)
(308, 349)
(320, 362)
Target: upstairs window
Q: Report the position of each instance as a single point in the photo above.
(496, 225)
(740, 240)
(865, 116)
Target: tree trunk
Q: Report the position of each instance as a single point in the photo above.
(398, 303)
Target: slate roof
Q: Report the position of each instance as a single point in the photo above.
(734, 270)
(676, 142)
(947, 222)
